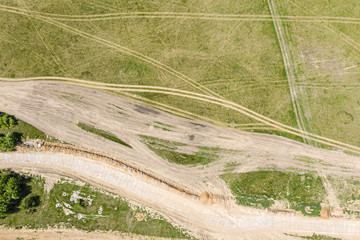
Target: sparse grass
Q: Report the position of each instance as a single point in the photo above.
(348, 192)
(315, 237)
(163, 128)
(260, 189)
(163, 124)
(116, 215)
(312, 161)
(230, 166)
(102, 133)
(169, 150)
(322, 52)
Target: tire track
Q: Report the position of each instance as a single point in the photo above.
(289, 66)
(185, 15)
(117, 47)
(331, 28)
(214, 100)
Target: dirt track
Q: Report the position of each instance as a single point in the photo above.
(55, 108)
(206, 221)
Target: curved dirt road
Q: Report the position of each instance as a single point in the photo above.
(204, 220)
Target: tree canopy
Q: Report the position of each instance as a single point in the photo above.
(7, 121)
(12, 190)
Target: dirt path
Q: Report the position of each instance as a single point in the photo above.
(186, 15)
(201, 97)
(65, 234)
(289, 66)
(206, 221)
(329, 27)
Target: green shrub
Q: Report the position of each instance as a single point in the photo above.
(7, 121)
(30, 202)
(12, 190)
(8, 142)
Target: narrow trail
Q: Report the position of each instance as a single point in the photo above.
(186, 15)
(289, 67)
(115, 46)
(209, 99)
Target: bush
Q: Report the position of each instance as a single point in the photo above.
(7, 121)
(8, 142)
(11, 191)
(30, 202)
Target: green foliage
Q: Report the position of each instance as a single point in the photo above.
(29, 202)
(169, 150)
(7, 121)
(117, 214)
(8, 142)
(320, 237)
(304, 192)
(102, 133)
(12, 190)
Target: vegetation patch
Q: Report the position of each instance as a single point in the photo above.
(13, 130)
(315, 237)
(312, 160)
(348, 190)
(230, 166)
(14, 192)
(168, 150)
(87, 208)
(102, 133)
(159, 127)
(163, 124)
(304, 192)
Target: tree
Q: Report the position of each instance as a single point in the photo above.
(11, 191)
(30, 202)
(7, 121)
(8, 142)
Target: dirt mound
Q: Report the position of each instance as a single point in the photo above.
(325, 213)
(206, 198)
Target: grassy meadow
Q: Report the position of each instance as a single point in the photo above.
(176, 45)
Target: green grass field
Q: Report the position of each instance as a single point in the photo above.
(84, 207)
(303, 192)
(199, 46)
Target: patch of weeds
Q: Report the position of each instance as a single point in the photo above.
(312, 160)
(164, 129)
(168, 151)
(120, 112)
(71, 97)
(230, 166)
(102, 133)
(163, 124)
(348, 191)
(352, 213)
(304, 191)
(314, 237)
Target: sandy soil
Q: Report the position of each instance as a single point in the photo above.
(64, 234)
(55, 108)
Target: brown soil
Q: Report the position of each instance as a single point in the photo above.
(325, 213)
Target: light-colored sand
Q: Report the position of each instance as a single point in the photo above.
(55, 108)
(64, 234)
